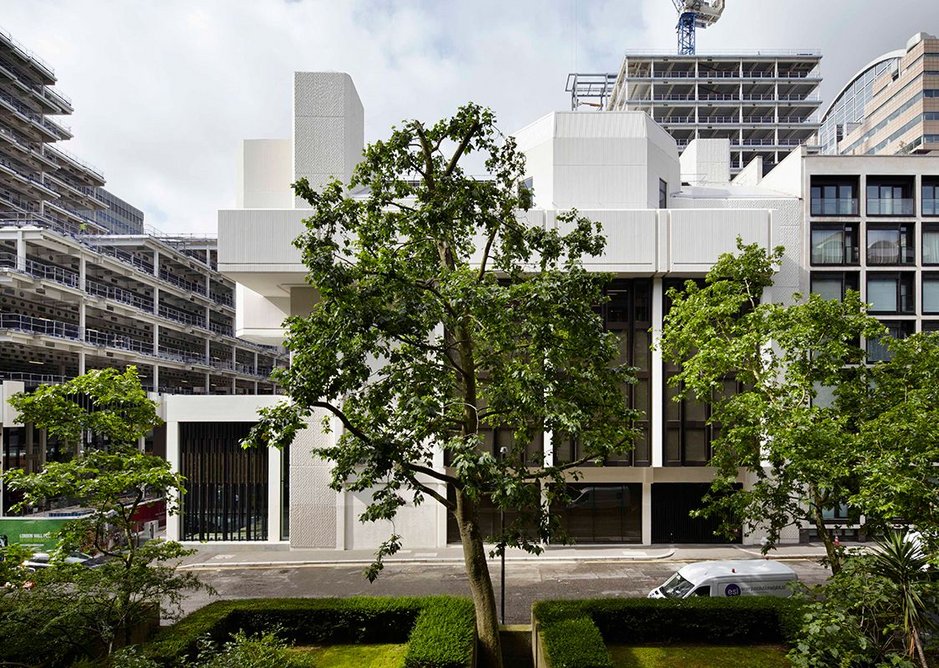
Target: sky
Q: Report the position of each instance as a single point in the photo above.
(164, 90)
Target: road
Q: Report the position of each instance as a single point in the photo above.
(525, 581)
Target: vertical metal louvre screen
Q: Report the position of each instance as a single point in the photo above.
(226, 486)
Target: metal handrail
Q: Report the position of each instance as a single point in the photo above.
(181, 316)
(106, 339)
(75, 160)
(46, 326)
(118, 294)
(180, 282)
(179, 355)
(34, 378)
(223, 300)
(224, 330)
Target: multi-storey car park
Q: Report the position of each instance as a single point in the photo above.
(891, 106)
(84, 285)
(764, 102)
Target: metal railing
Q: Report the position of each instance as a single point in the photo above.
(69, 157)
(128, 258)
(224, 300)
(39, 269)
(109, 340)
(182, 282)
(32, 379)
(45, 326)
(224, 330)
(179, 315)
(117, 294)
(180, 355)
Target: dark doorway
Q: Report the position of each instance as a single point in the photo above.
(672, 504)
(226, 486)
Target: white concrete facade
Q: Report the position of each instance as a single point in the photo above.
(615, 167)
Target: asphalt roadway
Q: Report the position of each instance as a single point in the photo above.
(598, 574)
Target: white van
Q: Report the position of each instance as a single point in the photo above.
(746, 577)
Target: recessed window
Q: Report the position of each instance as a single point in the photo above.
(663, 194)
(896, 329)
(834, 197)
(890, 196)
(834, 243)
(930, 197)
(890, 244)
(891, 292)
(833, 284)
(930, 243)
(931, 293)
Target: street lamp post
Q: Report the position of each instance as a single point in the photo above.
(502, 560)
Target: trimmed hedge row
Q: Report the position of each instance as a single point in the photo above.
(440, 630)
(576, 632)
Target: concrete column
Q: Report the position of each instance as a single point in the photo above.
(341, 520)
(81, 318)
(156, 263)
(255, 361)
(208, 384)
(81, 362)
(156, 340)
(172, 456)
(82, 273)
(274, 490)
(156, 377)
(156, 300)
(647, 508)
(657, 377)
(208, 352)
(20, 250)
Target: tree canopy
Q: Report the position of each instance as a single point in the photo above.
(816, 424)
(443, 313)
(109, 481)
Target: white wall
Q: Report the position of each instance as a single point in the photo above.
(328, 128)
(706, 161)
(264, 174)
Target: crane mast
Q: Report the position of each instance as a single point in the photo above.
(694, 14)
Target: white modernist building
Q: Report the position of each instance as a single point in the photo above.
(620, 168)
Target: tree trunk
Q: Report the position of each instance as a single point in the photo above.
(834, 556)
(918, 645)
(477, 569)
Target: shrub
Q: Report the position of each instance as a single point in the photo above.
(441, 629)
(576, 643)
(576, 632)
(444, 635)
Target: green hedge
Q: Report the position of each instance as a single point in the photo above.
(576, 632)
(440, 631)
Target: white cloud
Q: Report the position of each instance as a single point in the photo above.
(164, 91)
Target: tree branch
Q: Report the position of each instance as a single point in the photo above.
(458, 153)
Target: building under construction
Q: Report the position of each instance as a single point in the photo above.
(764, 103)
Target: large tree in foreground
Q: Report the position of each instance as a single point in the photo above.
(801, 448)
(443, 314)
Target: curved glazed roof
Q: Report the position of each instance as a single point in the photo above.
(890, 55)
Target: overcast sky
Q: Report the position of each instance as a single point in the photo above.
(164, 90)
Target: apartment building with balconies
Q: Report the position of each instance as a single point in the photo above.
(764, 103)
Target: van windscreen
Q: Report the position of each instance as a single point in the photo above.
(676, 587)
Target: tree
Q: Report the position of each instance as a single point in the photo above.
(803, 452)
(112, 482)
(899, 434)
(443, 314)
(873, 612)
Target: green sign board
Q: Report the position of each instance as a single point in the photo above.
(35, 533)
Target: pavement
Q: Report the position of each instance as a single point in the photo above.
(211, 556)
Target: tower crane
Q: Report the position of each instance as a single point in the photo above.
(693, 14)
